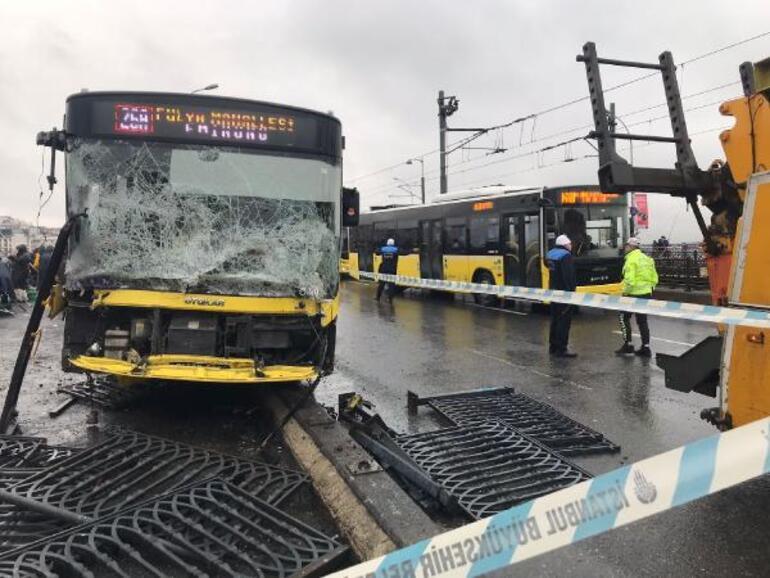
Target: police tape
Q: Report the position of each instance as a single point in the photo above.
(587, 509)
(675, 309)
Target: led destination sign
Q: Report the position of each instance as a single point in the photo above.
(587, 197)
(188, 122)
(209, 121)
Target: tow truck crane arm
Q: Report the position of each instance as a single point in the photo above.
(723, 188)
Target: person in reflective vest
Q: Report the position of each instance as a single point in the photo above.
(639, 280)
(388, 266)
(561, 269)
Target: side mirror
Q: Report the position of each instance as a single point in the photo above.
(350, 207)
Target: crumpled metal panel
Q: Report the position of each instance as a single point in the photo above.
(210, 529)
(489, 467)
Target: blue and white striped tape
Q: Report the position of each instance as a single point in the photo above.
(593, 507)
(675, 309)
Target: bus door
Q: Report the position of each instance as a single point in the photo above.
(431, 252)
(513, 249)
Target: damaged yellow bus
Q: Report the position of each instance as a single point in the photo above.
(210, 246)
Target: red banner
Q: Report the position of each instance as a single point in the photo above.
(640, 211)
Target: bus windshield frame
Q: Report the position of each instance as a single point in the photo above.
(184, 215)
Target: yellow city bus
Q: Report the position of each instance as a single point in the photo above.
(498, 235)
(208, 242)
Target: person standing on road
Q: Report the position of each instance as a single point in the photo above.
(388, 266)
(562, 276)
(639, 280)
(21, 265)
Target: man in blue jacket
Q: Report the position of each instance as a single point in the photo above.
(388, 266)
(561, 269)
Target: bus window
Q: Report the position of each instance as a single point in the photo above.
(551, 228)
(383, 232)
(593, 229)
(456, 232)
(407, 237)
(532, 250)
(485, 234)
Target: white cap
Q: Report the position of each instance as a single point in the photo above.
(390, 242)
(633, 242)
(563, 241)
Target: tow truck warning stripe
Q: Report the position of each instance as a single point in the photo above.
(674, 309)
(593, 507)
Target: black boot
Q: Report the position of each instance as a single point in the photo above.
(643, 351)
(626, 349)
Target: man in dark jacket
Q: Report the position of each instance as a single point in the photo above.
(388, 266)
(562, 276)
(6, 284)
(21, 263)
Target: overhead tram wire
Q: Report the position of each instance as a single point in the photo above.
(625, 115)
(585, 98)
(388, 186)
(563, 161)
(583, 157)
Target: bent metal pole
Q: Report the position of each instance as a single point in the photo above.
(28, 341)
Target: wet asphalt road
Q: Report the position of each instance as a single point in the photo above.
(433, 344)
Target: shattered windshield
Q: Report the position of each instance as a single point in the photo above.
(206, 219)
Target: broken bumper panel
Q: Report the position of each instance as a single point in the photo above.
(196, 368)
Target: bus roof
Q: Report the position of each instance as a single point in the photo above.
(484, 192)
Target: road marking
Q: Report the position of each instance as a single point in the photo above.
(616, 332)
(500, 309)
(531, 369)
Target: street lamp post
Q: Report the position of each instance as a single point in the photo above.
(422, 175)
(207, 87)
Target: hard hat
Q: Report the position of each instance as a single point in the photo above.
(390, 242)
(633, 242)
(563, 241)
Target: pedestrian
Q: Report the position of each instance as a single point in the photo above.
(639, 280)
(561, 269)
(6, 283)
(388, 266)
(21, 265)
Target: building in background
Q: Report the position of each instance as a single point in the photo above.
(14, 232)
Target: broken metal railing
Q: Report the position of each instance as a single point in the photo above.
(130, 466)
(123, 470)
(535, 418)
(211, 528)
(489, 467)
(481, 468)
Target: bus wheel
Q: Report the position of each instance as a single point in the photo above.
(484, 278)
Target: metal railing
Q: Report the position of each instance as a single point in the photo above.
(681, 265)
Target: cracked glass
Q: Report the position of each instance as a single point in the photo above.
(195, 218)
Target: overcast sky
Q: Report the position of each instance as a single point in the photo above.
(378, 66)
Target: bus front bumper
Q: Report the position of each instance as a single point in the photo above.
(195, 368)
